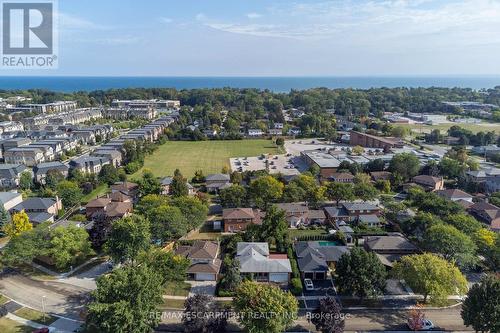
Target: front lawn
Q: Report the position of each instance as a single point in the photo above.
(176, 288)
(10, 326)
(172, 304)
(35, 316)
(3, 299)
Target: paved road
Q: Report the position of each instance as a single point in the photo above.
(54, 297)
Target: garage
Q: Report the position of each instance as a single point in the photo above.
(278, 277)
(205, 277)
(320, 276)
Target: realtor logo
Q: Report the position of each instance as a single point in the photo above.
(28, 35)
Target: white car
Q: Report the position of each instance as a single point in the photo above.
(426, 325)
(308, 284)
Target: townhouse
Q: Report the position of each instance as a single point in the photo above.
(89, 164)
(28, 156)
(10, 174)
(40, 170)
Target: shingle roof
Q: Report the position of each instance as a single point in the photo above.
(454, 194)
(199, 250)
(222, 177)
(252, 260)
(238, 213)
(35, 204)
(392, 242)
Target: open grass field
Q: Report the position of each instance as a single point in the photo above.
(485, 127)
(209, 156)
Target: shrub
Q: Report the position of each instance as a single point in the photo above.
(296, 286)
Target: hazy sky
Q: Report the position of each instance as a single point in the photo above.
(276, 38)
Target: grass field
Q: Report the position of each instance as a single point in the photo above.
(485, 127)
(10, 326)
(209, 156)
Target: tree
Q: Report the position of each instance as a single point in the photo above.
(129, 236)
(406, 165)
(430, 275)
(179, 187)
(481, 307)
(19, 224)
(340, 191)
(463, 222)
(280, 142)
(365, 191)
(360, 273)
(4, 220)
(358, 150)
(383, 186)
(168, 266)
(69, 246)
(377, 164)
(149, 184)
(328, 317)
(125, 301)
(233, 196)
(265, 190)
(274, 228)
(25, 181)
(53, 178)
(22, 249)
(232, 278)
(199, 177)
(293, 193)
(193, 210)
(264, 308)
(109, 174)
(167, 222)
(198, 315)
(452, 244)
(70, 193)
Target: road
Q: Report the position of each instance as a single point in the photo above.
(54, 297)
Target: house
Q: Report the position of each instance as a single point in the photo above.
(255, 132)
(315, 258)
(39, 210)
(429, 183)
(455, 195)
(10, 199)
(342, 177)
(371, 221)
(489, 178)
(487, 213)
(256, 262)
(390, 248)
(113, 155)
(128, 188)
(10, 174)
(26, 155)
(294, 131)
(217, 181)
(350, 211)
(167, 181)
(205, 265)
(275, 131)
(380, 175)
(346, 230)
(89, 164)
(237, 219)
(105, 209)
(298, 213)
(41, 170)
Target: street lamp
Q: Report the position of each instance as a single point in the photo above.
(43, 306)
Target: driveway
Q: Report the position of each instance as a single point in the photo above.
(202, 287)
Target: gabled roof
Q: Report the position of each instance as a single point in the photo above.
(252, 259)
(454, 194)
(391, 242)
(490, 210)
(220, 177)
(342, 176)
(199, 250)
(359, 206)
(124, 186)
(210, 267)
(98, 203)
(293, 207)
(312, 263)
(238, 213)
(426, 179)
(35, 204)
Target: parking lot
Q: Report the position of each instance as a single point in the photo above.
(286, 165)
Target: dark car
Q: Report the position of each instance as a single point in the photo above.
(41, 330)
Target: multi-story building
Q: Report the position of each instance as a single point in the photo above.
(373, 141)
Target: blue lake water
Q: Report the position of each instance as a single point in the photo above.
(277, 84)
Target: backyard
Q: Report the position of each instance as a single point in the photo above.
(209, 156)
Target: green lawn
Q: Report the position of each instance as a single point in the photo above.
(209, 156)
(3, 299)
(97, 192)
(175, 288)
(35, 316)
(485, 127)
(172, 304)
(306, 232)
(10, 326)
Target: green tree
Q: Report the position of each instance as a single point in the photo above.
(463, 222)
(294, 193)
(360, 273)
(365, 191)
(108, 174)
(69, 246)
(275, 309)
(406, 165)
(430, 275)
(169, 266)
(70, 193)
(481, 307)
(452, 244)
(149, 184)
(26, 180)
(128, 237)
(125, 301)
(232, 278)
(198, 315)
(233, 196)
(199, 177)
(328, 316)
(179, 187)
(167, 222)
(53, 178)
(280, 142)
(193, 210)
(265, 190)
(20, 223)
(340, 191)
(22, 249)
(4, 220)
(274, 228)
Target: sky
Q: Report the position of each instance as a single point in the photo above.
(277, 38)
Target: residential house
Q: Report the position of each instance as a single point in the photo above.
(217, 181)
(429, 183)
(105, 209)
(278, 126)
(298, 213)
(275, 132)
(256, 262)
(455, 195)
(390, 248)
(113, 155)
(489, 178)
(380, 175)
(128, 188)
(488, 213)
(10, 174)
(315, 258)
(237, 219)
(205, 265)
(342, 177)
(347, 231)
(89, 164)
(350, 211)
(39, 210)
(255, 132)
(10, 199)
(167, 181)
(40, 170)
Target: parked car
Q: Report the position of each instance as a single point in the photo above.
(308, 284)
(41, 330)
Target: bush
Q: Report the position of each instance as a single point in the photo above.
(296, 286)
(132, 167)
